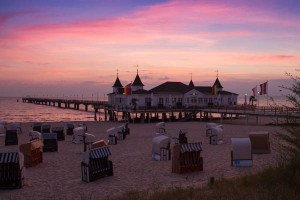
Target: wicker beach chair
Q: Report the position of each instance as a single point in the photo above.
(50, 142)
(78, 135)
(209, 127)
(187, 158)
(70, 128)
(32, 152)
(60, 132)
(160, 128)
(37, 126)
(112, 138)
(260, 142)
(46, 128)
(89, 139)
(95, 164)
(11, 170)
(216, 135)
(34, 135)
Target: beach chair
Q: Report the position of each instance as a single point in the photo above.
(50, 142)
(112, 138)
(70, 128)
(11, 170)
(78, 135)
(11, 137)
(60, 132)
(160, 128)
(34, 135)
(32, 152)
(46, 128)
(127, 129)
(161, 148)
(187, 158)
(88, 140)
(216, 135)
(260, 142)
(84, 126)
(37, 126)
(241, 154)
(121, 133)
(209, 127)
(95, 164)
(181, 139)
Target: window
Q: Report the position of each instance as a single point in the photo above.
(193, 100)
(200, 100)
(161, 100)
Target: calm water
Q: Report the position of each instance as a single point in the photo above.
(13, 111)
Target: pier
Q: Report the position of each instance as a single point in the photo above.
(154, 114)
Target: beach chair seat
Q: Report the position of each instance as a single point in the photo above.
(37, 126)
(50, 142)
(11, 137)
(32, 152)
(70, 128)
(60, 132)
(34, 135)
(11, 170)
(187, 158)
(95, 164)
(260, 142)
(161, 148)
(241, 154)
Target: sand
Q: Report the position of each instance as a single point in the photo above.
(59, 176)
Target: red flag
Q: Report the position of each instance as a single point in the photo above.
(127, 89)
(263, 88)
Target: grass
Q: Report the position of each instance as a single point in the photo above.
(282, 182)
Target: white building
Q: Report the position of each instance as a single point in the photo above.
(169, 95)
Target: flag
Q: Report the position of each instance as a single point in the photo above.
(254, 90)
(263, 88)
(214, 89)
(127, 89)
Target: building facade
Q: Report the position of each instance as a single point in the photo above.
(169, 95)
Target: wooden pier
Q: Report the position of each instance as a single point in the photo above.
(143, 114)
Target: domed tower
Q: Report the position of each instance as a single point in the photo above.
(117, 85)
(137, 83)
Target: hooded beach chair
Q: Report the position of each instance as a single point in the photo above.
(241, 154)
(209, 127)
(160, 128)
(11, 137)
(32, 152)
(187, 158)
(88, 140)
(50, 142)
(95, 164)
(112, 136)
(78, 135)
(46, 128)
(70, 128)
(60, 132)
(260, 142)
(37, 126)
(11, 170)
(34, 135)
(216, 135)
(161, 147)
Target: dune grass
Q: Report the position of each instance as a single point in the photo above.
(282, 182)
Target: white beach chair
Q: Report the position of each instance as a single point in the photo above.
(78, 135)
(161, 148)
(241, 154)
(216, 135)
(209, 127)
(89, 139)
(112, 135)
(34, 135)
(160, 128)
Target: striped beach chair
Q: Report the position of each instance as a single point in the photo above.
(96, 165)
(11, 170)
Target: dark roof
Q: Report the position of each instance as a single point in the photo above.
(137, 81)
(191, 84)
(204, 89)
(120, 91)
(117, 83)
(217, 82)
(171, 87)
(141, 91)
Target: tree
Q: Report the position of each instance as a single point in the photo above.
(289, 141)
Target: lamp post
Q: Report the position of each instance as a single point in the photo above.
(245, 99)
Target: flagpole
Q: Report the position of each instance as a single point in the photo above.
(267, 88)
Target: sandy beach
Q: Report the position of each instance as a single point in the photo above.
(59, 176)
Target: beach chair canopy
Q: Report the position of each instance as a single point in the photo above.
(189, 147)
(79, 131)
(89, 138)
(241, 149)
(111, 131)
(96, 154)
(33, 135)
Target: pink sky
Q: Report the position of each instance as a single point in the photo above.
(75, 49)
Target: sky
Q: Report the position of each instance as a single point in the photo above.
(76, 48)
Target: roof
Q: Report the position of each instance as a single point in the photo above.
(191, 84)
(117, 83)
(172, 87)
(137, 81)
(217, 82)
(141, 91)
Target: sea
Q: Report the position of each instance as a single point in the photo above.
(13, 109)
